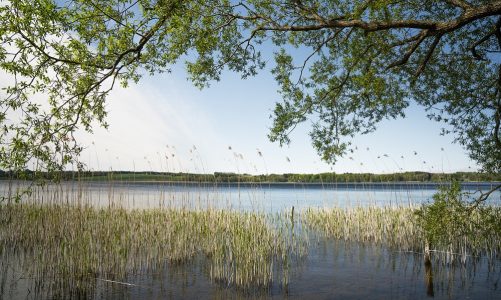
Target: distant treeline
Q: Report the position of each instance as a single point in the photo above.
(233, 177)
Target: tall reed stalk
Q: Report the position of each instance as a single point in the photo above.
(81, 243)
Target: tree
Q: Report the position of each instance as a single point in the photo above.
(367, 61)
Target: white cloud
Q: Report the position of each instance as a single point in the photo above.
(145, 121)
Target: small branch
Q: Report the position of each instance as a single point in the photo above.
(58, 59)
(328, 39)
(422, 35)
(473, 49)
(495, 31)
(458, 3)
(428, 56)
(118, 21)
(497, 120)
(483, 197)
(314, 15)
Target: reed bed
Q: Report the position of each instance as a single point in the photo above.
(63, 237)
(402, 229)
(393, 227)
(79, 244)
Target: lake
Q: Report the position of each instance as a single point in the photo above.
(264, 197)
(332, 269)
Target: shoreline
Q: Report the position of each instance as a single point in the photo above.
(295, 185)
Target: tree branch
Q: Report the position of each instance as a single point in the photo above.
(497, 114)
(459, 3)
(483, 196)
(470, 15)
(317, 49)
(422, 35)
(495, 31)
(428, 56)
(473, 48)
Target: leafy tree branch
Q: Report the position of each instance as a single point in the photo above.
(365, 61)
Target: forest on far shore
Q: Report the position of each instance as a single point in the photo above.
(416, 176)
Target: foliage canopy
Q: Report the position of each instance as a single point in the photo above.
(368, 60)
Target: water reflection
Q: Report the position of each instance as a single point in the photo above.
(333, 269)
(428, 278)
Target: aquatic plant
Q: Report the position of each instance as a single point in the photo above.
(448, 227)
(393, 227)
(82, 243)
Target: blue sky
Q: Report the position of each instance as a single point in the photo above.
(165, 124)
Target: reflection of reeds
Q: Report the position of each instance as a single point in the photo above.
(80, 243)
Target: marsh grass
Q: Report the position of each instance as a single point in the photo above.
(401, 228)
(393, 227)
(70, 242)
(79, 244)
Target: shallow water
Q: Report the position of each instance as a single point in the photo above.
(332, 270)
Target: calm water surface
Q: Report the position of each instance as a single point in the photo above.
(241, 196)
(332, 269)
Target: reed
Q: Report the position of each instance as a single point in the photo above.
(79, 244)
(393, 227)
(67, 241)
(401, 228)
